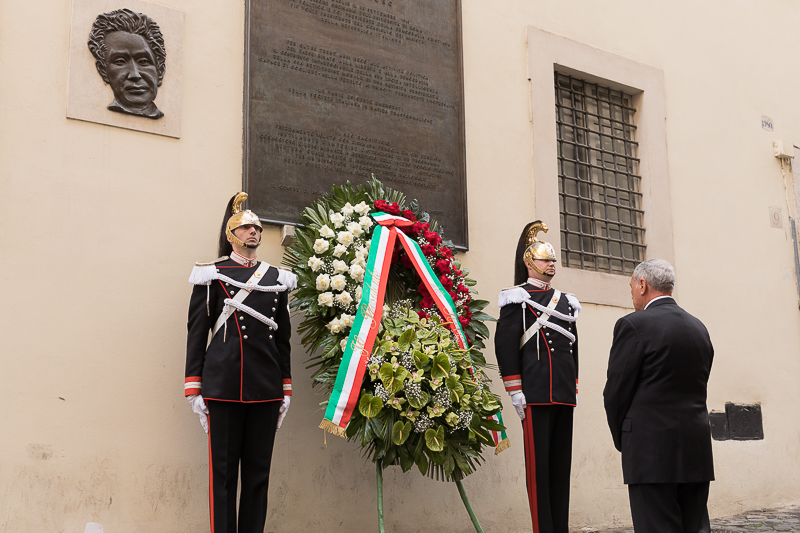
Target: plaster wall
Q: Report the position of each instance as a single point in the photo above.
(100, 227)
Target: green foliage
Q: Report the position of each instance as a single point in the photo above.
(369, 406)
(424, 400)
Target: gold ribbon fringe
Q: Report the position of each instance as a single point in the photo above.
(504, 445)
(332, 428)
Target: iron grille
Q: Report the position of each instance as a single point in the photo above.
(599, 185)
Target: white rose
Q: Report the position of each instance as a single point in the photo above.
(365, 221)
(326, 232)
(325, 299)
(355, 228)
(340, 266)
(347, 320)
(321, 246)
(358, 293)
(337, 219)
(359, 260)
(339, 250)
(338, 282)
(345, 237)
(323, 282)
(361, 208)
(343, 344)
(335, 325)
(347, 209)
(315, 263)
(357, 272)
(344, 299)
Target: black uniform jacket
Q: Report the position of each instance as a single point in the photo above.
(549, 376)
(251, 363)
(655, 396)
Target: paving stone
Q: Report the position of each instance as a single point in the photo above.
(761, 520)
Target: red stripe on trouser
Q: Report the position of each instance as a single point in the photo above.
(210, 476)
(530, 467)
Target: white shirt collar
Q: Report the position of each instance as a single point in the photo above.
(654, 299)
(539, 283)
(244, 261)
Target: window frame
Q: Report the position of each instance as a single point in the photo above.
(549, 53)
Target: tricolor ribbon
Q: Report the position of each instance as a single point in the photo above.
(500, 438)
(362, 336)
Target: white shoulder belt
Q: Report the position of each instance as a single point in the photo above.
(542, 320)
(236, 302)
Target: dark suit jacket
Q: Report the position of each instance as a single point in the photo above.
(655, 395)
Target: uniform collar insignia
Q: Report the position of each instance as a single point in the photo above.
(244, 261)
(539, 283)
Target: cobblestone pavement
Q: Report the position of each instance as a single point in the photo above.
(785, 519)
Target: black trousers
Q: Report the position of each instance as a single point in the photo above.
(547, 432)
(669, 507)
(240, 433)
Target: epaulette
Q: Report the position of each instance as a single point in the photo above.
(214, 262)
(512, 295)
(205, 273)
(287, 277)
(576, 305)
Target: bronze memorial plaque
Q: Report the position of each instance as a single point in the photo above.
(337, 90)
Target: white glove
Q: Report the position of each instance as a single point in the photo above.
(199, 407)
(283, 410)
(518, 401)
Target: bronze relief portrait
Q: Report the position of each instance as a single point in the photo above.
(130, 57)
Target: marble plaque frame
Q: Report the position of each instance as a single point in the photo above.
(88, 96)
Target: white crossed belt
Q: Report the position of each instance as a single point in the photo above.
(231, 304)
(542, 320)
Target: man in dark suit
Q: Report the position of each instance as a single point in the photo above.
(655, 401)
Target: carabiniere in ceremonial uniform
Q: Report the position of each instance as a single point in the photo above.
(241, 379)
(536, 344)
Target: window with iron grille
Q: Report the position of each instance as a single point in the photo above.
(599, 185)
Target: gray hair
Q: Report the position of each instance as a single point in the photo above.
(658, 273)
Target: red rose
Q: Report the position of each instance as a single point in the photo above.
(464, 321)
(447, 283)
(423, 290)
(419, 227)
(467, 313)
(422, 314)
(428, 249)
(446, 252)
(457, 272)
(381, 205)
(443, 265)
(463, 288)
(433, 237)
(393, 208)
(409, 215)
(427, 302)
(406, 262)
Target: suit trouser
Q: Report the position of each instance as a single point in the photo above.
(547, 431)
(240, 432)
(669, 507)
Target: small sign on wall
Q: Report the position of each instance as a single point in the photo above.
(125, 63)
(775, 218)
(766, 124)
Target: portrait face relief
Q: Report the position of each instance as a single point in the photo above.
(131, 58)
(131, 70)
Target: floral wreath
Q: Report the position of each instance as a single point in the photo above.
(424, 397)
